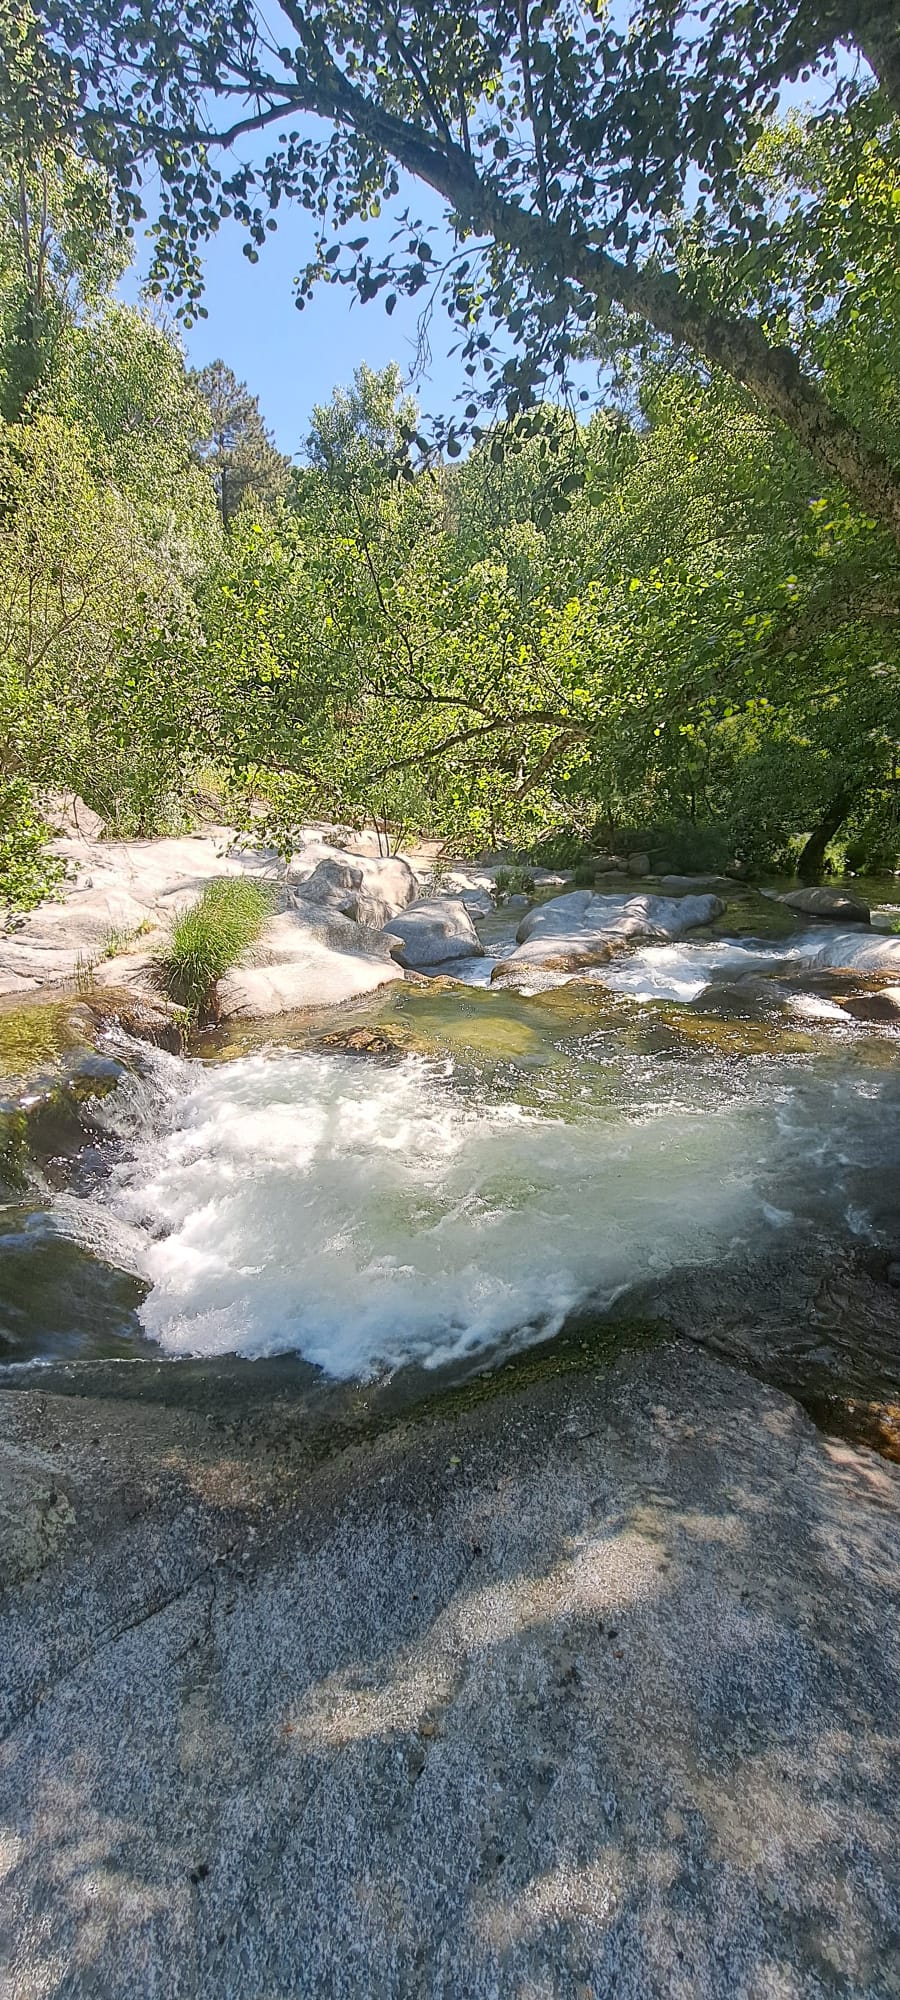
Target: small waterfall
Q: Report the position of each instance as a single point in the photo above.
(368, 1215)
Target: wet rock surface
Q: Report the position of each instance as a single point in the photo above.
(584, 929)
(433, 931)
(585, 1687)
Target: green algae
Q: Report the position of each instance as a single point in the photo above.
(37, 1035)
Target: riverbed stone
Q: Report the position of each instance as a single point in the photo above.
(70, 818)
(474, 886)
(115, 890)
(587, 1686)
(350, 883)
(309, 956)
(857, 951)
(433, 931)
(684, 885)
(832, 905)
(639, 863)
(584, 929)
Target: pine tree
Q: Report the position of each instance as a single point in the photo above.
(238, 452)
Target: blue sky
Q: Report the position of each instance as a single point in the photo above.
(292, 359)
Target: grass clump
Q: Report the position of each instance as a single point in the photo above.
(513, 881)
(207, 939)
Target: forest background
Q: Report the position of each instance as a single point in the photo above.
(656, 618)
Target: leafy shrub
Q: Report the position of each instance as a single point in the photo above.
(691, 850)
(514, 881)
(27, 871)
(208, 938)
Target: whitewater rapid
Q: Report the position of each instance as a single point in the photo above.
(367, 1216)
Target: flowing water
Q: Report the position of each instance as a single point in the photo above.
(491, 1163)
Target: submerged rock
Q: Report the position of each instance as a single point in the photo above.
(834, 905)
(430, 932)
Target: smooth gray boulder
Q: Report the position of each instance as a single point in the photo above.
(676, 885)
(584, 929)
(430, 932)
(69, 817)
(834, 905)
(364, 887)
(305, 958)
(473, 886)
(589, 1688)
(856, 952)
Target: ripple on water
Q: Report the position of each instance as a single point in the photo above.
(367, 1215)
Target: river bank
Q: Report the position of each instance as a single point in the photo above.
(589, 1686)
(419, 1573)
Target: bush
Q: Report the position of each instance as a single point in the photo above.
(27, 871)
(514, 881)
(689, 849)
(209, 937)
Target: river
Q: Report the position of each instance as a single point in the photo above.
(447, 1173)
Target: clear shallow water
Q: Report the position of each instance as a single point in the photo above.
(370, 1214)
(684, 970)
(502, 1160)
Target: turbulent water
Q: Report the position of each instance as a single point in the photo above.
(501, 1161)
(366, 1216)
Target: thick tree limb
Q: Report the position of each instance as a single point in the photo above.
(737, 346)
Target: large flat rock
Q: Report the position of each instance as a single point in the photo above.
(118, 891)
(584, 929)
(585, 1687)
(309, 956)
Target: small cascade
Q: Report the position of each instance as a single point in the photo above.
(367, 1215)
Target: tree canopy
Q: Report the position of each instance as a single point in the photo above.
(677, 614)
(578, 161)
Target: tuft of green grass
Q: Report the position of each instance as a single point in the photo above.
(207, 939)
(513, 881)
(117, 941)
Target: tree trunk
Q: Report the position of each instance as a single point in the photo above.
(877, 34)
(812, 859)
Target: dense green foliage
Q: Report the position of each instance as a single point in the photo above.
(673, 622)
(574, 146)
(209, 937)
(698, 642)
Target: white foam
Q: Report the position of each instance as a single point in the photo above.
(684, 971)
(366, 1217)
